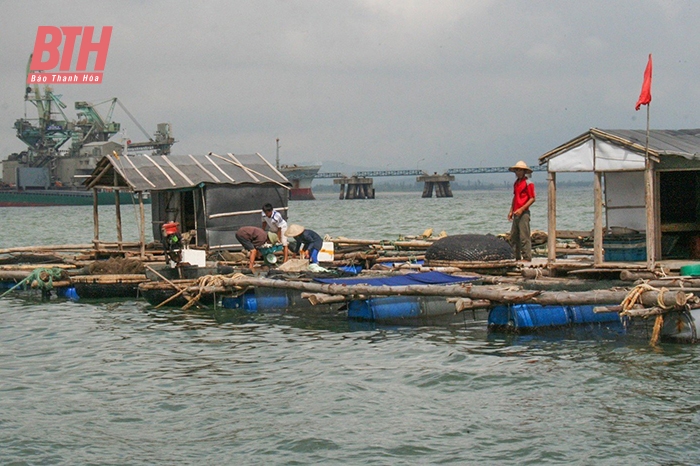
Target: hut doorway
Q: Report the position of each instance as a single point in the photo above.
(679, 207)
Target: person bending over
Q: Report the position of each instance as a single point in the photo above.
(307, 242)
(252, 239)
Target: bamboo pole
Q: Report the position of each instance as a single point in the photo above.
(31, 267)
(630, 276)
(342, 240)
(322, 298)
(464, 304)
(472, 264)
(552, 218)
(63, 247)
(497, 295)
(181, 290)
(399, 258)
(14, 274)
(412, 244)
(110, 278)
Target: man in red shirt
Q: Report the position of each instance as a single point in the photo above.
(523, 198)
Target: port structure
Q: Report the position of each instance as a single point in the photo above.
(361, 184)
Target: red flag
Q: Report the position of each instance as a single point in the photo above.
(645, 96)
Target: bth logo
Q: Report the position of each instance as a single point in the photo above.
(47, 55)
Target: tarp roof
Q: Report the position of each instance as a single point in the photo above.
(620, 149)
(166, 172)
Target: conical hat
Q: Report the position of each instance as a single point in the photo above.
(520, 166)
(294, 230)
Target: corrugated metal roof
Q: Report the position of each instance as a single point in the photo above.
(679, 142)
(164, 172)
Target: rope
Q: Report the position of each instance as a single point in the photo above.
(207, 281)
(635, 296)
(43, 276)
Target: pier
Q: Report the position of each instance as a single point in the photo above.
(361, 184)
(355, 187)
(441, 183)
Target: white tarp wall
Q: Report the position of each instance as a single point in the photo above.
(624, 179)
(578, 159)
(596, 155)
(624, 200)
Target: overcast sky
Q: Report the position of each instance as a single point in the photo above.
(383, 84)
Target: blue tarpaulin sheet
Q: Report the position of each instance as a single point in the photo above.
(425, 278)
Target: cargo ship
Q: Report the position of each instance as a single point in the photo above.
(60, 197)
(46, 174)
(301, 177)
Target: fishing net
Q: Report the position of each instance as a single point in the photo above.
(116, 265)
(470, 248)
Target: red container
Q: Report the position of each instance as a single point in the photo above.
(171, 228)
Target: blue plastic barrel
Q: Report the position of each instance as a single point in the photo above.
(585, 315)
(67, 292)
(389, 308)
(529, 316)
(250, 302)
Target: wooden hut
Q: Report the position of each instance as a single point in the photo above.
(209, 195)
(650, 185)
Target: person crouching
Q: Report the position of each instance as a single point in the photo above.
(253, 239)
(307, 242)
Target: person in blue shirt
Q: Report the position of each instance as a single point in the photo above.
(307, 242)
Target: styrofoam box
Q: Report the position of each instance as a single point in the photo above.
(196, 257)
(326, 252)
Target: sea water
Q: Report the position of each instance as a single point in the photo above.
(118, 382)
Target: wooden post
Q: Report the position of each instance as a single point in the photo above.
(95, 220)
(657, 216)
(118, 211)
(597, 218)
(552, 218)
(649, 198)
(142, 236)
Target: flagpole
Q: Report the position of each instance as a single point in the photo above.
(649, 195)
